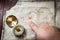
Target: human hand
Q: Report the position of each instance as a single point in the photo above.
(44, 32)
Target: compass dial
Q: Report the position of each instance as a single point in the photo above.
(11, 21)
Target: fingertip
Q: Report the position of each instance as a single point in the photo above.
(33, 26)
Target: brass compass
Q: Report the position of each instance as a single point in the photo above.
(11, 21)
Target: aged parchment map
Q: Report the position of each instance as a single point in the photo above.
(40, 13)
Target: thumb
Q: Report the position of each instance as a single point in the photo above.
(33, 26)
